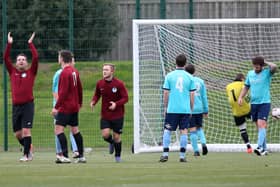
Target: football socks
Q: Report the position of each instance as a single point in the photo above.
(261, 137)
(193, 138)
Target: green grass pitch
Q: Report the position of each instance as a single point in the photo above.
(213, 170)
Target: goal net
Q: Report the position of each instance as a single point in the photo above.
(219, 49)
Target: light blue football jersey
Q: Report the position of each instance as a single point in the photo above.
(200, 97)
(179, 83)
(259, 84)
(55, 83)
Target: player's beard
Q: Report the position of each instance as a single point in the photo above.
(258, 70)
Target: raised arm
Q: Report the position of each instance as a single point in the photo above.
(7, 59)
(35, 57)
(272, 66)
(31, 38)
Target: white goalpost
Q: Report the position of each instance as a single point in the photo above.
(219, 49)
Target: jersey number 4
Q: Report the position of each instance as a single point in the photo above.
(179, 84)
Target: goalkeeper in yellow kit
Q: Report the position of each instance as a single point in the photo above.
(240, 113)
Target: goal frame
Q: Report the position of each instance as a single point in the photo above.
(136, 98)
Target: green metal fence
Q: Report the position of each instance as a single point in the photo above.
(88, 28)
(96, 30)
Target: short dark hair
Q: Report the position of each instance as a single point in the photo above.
(190, 68)
(22, 54)
(66, 56)
(259, 60)
(181, 60)
(239, 77)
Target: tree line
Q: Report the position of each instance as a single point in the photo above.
(95, 26)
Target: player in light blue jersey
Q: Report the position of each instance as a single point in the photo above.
(200, 110)
(258, 80)
(178, 98)
(57, 143)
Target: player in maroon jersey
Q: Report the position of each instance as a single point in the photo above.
(22, 82)
(114, 96)
(68, 104)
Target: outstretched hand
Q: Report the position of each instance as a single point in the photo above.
(92, 106)
(31, 38)
(10, 38)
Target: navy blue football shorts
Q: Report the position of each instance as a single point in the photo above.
(173, 121)
(260, 111)
(196, 120)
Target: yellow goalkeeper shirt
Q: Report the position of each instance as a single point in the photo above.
(233, 91)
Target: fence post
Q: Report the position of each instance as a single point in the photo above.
(71, 25)
(5, 98)
(190, 9)
(162, 9)
(137, 9)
